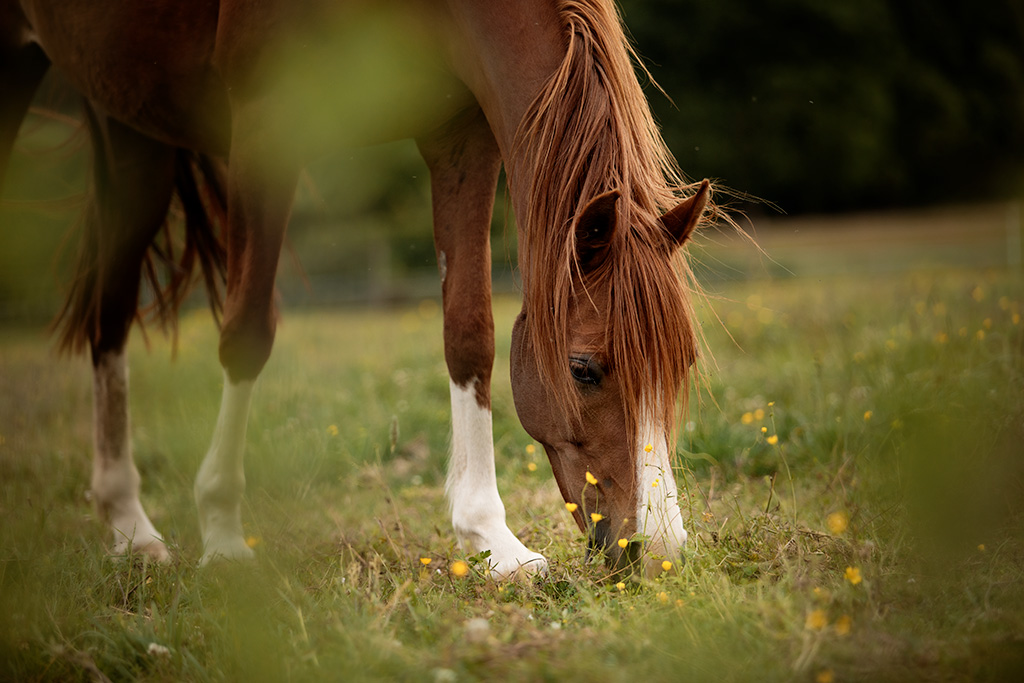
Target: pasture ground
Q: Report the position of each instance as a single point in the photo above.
(851, 464)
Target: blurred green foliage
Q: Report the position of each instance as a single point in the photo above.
(829, 106)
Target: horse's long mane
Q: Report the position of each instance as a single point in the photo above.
(592, 117)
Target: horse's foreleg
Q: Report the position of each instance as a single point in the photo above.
(134, 177)
(260, 189)
(464, 161)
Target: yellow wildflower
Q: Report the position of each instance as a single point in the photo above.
(571, 507)
(771, 404)
(648, 448)
(867, 415)
(596, 516)
(980, 335)
(759, 414)
(843, 625)
(425, 561)
(666, 565)
(591, 479)
(530, 449)
(1015, 319)
(981, 547)
(654, 484)
(816, 620)
(825, 676)
(663, 596)
(764, 430)
(773, 439)
(252, 541)
(532, 466)
(621, 586)
(852, 574)
(623, 542)
(747, 418)
(459, 568)
(332, 430)
(837, 522)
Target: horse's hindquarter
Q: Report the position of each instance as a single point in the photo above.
(324, 77)
(147, 64)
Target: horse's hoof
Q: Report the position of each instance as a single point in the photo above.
(518, 568)
(234, 549)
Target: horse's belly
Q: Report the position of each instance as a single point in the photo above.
(145, 64)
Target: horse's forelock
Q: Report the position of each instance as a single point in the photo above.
(590, 130)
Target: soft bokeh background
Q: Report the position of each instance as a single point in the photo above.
(850, 467)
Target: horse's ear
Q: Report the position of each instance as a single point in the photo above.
(680, 221)
(595, 229)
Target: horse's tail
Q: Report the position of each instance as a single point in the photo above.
(169, 264)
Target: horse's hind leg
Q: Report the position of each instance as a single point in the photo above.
(464, 161)
(260, 189)
(134, 178)
(22, 67)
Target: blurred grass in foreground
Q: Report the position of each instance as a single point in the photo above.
(851, 467)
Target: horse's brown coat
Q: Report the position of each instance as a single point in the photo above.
(548, 87)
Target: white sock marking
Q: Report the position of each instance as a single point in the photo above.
(478, 514)
(220, 482)
(115, 480)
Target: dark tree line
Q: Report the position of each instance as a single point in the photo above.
(821, 105)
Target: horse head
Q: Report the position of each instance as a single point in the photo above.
(609, 443)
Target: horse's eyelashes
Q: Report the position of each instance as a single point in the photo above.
(586, 371)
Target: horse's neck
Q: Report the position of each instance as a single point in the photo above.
(505, 50)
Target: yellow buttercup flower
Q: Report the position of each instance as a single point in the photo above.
(252, 541)
(764, 430)
(825, 676)
(816, 620)
(663, 596)
(747, 418)
(648, 448)
(666, 565)
(530, 449)
(623, 542)
(571, 507)
(591, 479)
(773, 439)
(621, 586)
(837, 522)
(852, 574)
(425, 561)
(531, 466)
(843, 625)
(596, 516)
(332, 430)
(459, 568)
(759, 414)
(867, 415)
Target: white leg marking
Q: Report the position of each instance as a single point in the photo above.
(478, 514)
(220, 482)
(658, 515)
(115, 481)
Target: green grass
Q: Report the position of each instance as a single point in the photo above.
(898, 402)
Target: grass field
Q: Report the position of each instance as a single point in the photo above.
(852, 474)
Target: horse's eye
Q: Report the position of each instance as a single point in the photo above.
(585, 371)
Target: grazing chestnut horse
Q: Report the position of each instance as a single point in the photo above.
(602, 348)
